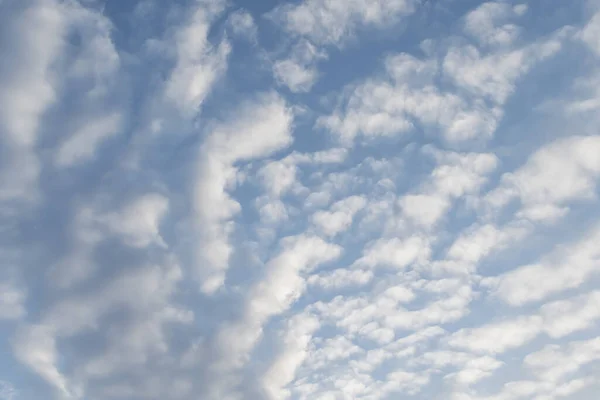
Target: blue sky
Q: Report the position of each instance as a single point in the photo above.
(310, 199)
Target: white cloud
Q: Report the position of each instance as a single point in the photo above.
(331, 22)
(388, 106)
(257, 130)
(36, 347)
(198, 63)
(494, 76)
(409, 93)
(242, 25)
(565, 268)
(424, 209)
(395, 252)
(340, 216)
(282, 285)
(475, 370)
(498, 337)
(457, 175)
(299, 72)
(485, 23)
(340, 278)
(29, 88)
(296, 77)
(564, 317)
(295, 342)
(139, 221)
(220, 247)
(554, 363)
(543, 197)
(590, 33)
(278, 176)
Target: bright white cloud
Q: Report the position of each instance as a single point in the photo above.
(256, 131)
(340, 216)
(198, 63)
(496, 338)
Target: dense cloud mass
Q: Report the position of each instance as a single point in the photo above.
(304, 200)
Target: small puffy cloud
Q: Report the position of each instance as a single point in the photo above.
(488, 23)
(340, 215)
(299, 71)
(296, 77)
(243, 26)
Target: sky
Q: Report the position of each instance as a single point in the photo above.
(299, 199)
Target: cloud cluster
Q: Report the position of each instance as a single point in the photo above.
(191, 209)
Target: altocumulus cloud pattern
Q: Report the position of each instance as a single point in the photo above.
(306, 200)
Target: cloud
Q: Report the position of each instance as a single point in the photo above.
(496, 338)
(7, 391)
(485, 23)
(37, 34)
(283, 369)
(589, 34)
(257, 130)
(242, 25)
(332, 22)
(299, 72)
(553, 274)
(36, 347)
(553, 364)
(340, 217)
(189, 210)
(542, 196)
(198, 63)
(81, 146)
